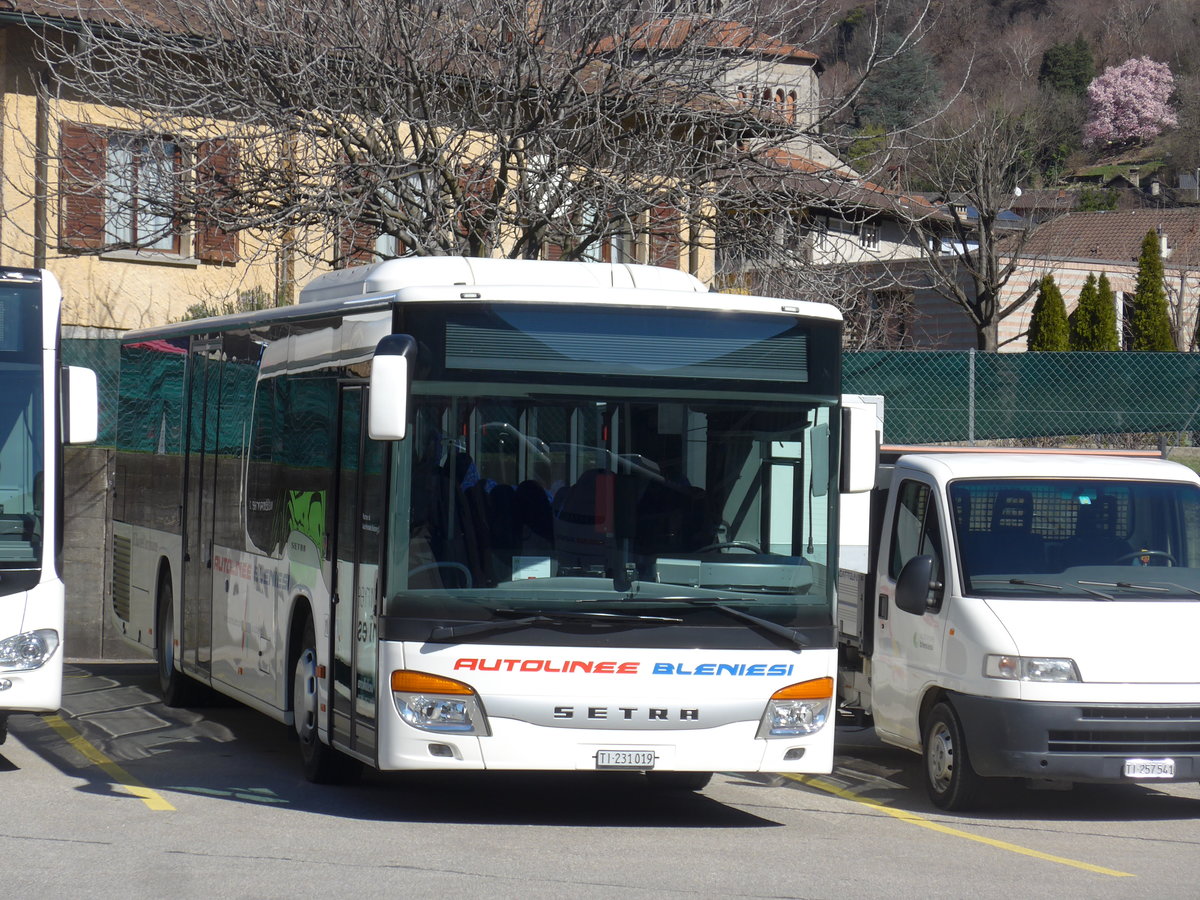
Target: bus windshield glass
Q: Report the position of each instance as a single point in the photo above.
(1068, 538)
(614, 461)
(21, 434)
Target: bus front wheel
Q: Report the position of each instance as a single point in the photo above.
(322, 763)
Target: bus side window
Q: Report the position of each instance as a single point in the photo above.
(264, 507)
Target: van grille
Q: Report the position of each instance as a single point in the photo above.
(1125, 743)
(1151, 713)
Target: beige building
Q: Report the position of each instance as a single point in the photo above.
(74, 196)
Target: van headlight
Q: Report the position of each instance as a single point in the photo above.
(442, 705)
(30, 650)
(797, 709)
(1030, 668)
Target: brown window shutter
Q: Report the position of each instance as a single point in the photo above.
(664, 237)
(552, 250)
(216, 181)
(477, 186)
(81, 187)
(356, 245)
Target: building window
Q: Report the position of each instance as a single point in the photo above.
(868, 235)
(141, 193)
(125, 192)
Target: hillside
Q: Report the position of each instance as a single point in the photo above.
(1035, 57)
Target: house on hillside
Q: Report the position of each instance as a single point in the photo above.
(1069, 247)
(1076, 245)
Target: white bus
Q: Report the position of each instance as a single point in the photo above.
(34, 390)
(488, 514)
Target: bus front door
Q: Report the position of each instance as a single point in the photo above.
(203, 420)
(359, 503)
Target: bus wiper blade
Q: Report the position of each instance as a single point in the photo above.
(788, 634)
(523, 620)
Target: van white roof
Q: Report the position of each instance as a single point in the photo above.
(945, 467)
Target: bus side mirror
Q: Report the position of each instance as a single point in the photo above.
(860, 450)
(391, 385)
(81, 406)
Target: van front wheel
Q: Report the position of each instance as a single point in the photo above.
(951, 781)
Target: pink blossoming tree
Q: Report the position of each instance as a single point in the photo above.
(1130, 102)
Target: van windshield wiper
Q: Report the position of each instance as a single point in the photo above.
(1021, 582)
(1127, 586)
(525, 618)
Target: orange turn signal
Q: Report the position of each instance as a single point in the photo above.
(816, 689)
(423, 683)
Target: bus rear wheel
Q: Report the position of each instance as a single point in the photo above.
(175, 687)
(322, 763)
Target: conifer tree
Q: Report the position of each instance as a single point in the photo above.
(1150, 322)
(1093, 324)
(1108, 326)
(1048, 329)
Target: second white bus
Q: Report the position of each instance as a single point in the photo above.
(484, 514)
(42, 406)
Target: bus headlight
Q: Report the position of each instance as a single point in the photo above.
(442, 705)
(798, 709)
(23, 652)
(1030, 668)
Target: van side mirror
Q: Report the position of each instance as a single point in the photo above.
(915, 585)
(81, 406)
(391, 386)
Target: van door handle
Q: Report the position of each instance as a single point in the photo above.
(883, 606)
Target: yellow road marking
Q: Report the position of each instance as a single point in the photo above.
(151, 798)
(921, 821)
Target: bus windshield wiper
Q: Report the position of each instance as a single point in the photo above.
(788, 634)
(523, 619)
(1021, 582)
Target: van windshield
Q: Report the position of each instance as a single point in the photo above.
(1078, 538)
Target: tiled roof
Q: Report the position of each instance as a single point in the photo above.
(843, 187)
(1116, 236)
(673, 33)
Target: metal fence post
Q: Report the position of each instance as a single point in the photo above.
(971, 396)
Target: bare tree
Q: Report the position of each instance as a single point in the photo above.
(484, 127)
(974, 162)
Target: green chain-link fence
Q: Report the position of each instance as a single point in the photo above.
(967, 397)
(103, 357)
(936, 397)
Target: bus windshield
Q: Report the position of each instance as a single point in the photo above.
(627, 495)
(1059, 538)
(21, 426)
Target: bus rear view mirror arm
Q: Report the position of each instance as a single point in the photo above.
(391, 383)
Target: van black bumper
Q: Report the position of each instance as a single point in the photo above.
(1077, 742)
